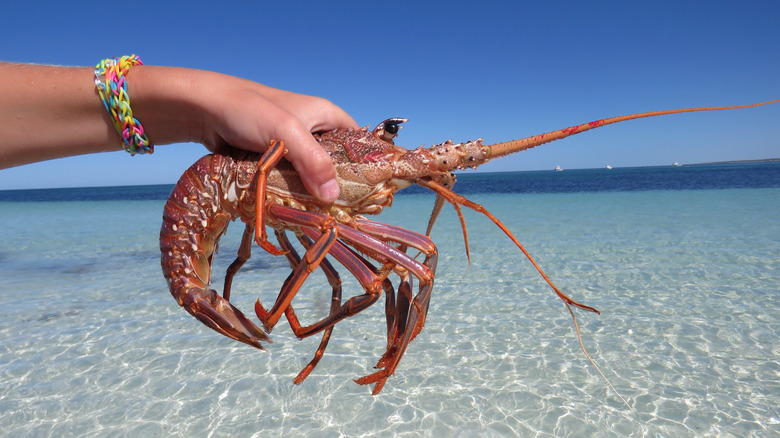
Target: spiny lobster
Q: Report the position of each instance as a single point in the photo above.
(266, 191)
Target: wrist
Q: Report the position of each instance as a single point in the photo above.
(165, 100)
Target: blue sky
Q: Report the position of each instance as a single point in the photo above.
(460, 70)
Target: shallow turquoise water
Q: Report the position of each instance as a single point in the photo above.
(688, 281)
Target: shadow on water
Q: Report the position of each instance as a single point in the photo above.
(264, 264)
(46, 317)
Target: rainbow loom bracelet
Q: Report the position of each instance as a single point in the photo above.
(112, 88)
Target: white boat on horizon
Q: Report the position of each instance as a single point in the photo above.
(558, 168)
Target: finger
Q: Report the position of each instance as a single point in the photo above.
(310, 160)
(319, 114)
(313, 164)
(332, 117)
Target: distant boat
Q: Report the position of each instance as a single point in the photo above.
(558, 168)
(609, 167)
(676, 164)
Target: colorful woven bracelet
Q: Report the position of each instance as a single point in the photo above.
(112, 87)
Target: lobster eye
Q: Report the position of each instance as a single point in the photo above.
(388, 130)
(391, 127)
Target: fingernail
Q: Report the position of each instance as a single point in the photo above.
(329, 191)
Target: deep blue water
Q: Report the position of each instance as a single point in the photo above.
(692, 177)
(121, 193)
(695, 177)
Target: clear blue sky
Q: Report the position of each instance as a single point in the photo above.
(460, 70)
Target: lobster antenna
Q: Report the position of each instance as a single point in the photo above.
(510, 147)
(592, 362)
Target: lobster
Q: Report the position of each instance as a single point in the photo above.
(265, 191)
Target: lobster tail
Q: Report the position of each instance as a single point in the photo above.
(193, 221)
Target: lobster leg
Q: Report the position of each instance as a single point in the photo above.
(244, 252)
(269, 159)
(408, 315)
(405, 238)
(335, 282)
(366, 244)
(294, 259)
(369, 239)
(322, 230)
(398, 339)
(310, 261)
(398, 313)
(389, 361)
(366, 276)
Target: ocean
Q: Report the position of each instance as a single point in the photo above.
(681, 261)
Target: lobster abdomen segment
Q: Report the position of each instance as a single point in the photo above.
(195, 217)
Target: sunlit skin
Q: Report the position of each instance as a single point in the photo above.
(49, 112)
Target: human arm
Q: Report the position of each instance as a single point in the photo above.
(49, 112)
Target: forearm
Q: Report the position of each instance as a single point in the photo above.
(49, 112)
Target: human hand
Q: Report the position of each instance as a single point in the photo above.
(265, 114)
(63, 116)
(221, 111)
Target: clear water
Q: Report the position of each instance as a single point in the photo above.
(686, 275)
